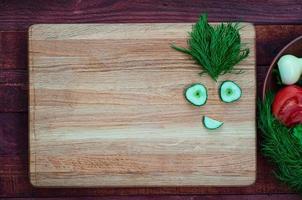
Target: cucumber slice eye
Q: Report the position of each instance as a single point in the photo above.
(210, 123)
(229, 92)
(196, 94)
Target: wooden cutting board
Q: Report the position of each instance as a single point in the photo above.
(107, 109)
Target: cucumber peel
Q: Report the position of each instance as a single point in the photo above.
(229, 91)
(196, 94)
(210, 123)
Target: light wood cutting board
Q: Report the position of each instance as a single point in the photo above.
(107, 109)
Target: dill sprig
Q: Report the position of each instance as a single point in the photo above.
(217, 49)
(282, 145)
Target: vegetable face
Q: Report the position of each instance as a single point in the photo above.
(216, 49)
(197, 95)
(290, 68)
(287, 105)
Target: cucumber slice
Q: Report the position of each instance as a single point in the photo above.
(229, 91)
(196, 94)
(210, 123)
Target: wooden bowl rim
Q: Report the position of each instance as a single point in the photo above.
(269, 72)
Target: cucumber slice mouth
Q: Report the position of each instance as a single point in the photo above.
(196, 94)
(229, 91)
(211, 123)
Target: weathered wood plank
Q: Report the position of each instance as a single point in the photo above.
(177, 197)
(271, 39)
(16, 16)
(13, 49)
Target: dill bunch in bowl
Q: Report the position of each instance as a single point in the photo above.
(282, 145)
(217, 49)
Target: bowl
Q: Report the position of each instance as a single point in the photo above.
(294, 48)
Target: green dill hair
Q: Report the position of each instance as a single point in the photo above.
(217, 49)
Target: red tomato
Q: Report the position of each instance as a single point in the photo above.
(287, 105)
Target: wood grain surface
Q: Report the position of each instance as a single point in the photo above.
(107, 109)
(16, 17)
(14, 179)
(184, 197)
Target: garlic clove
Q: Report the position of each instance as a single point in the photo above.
(290, 69)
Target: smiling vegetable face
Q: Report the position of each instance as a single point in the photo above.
(216, 49)
(197, 95)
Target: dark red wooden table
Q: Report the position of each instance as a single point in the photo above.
(277, 23)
